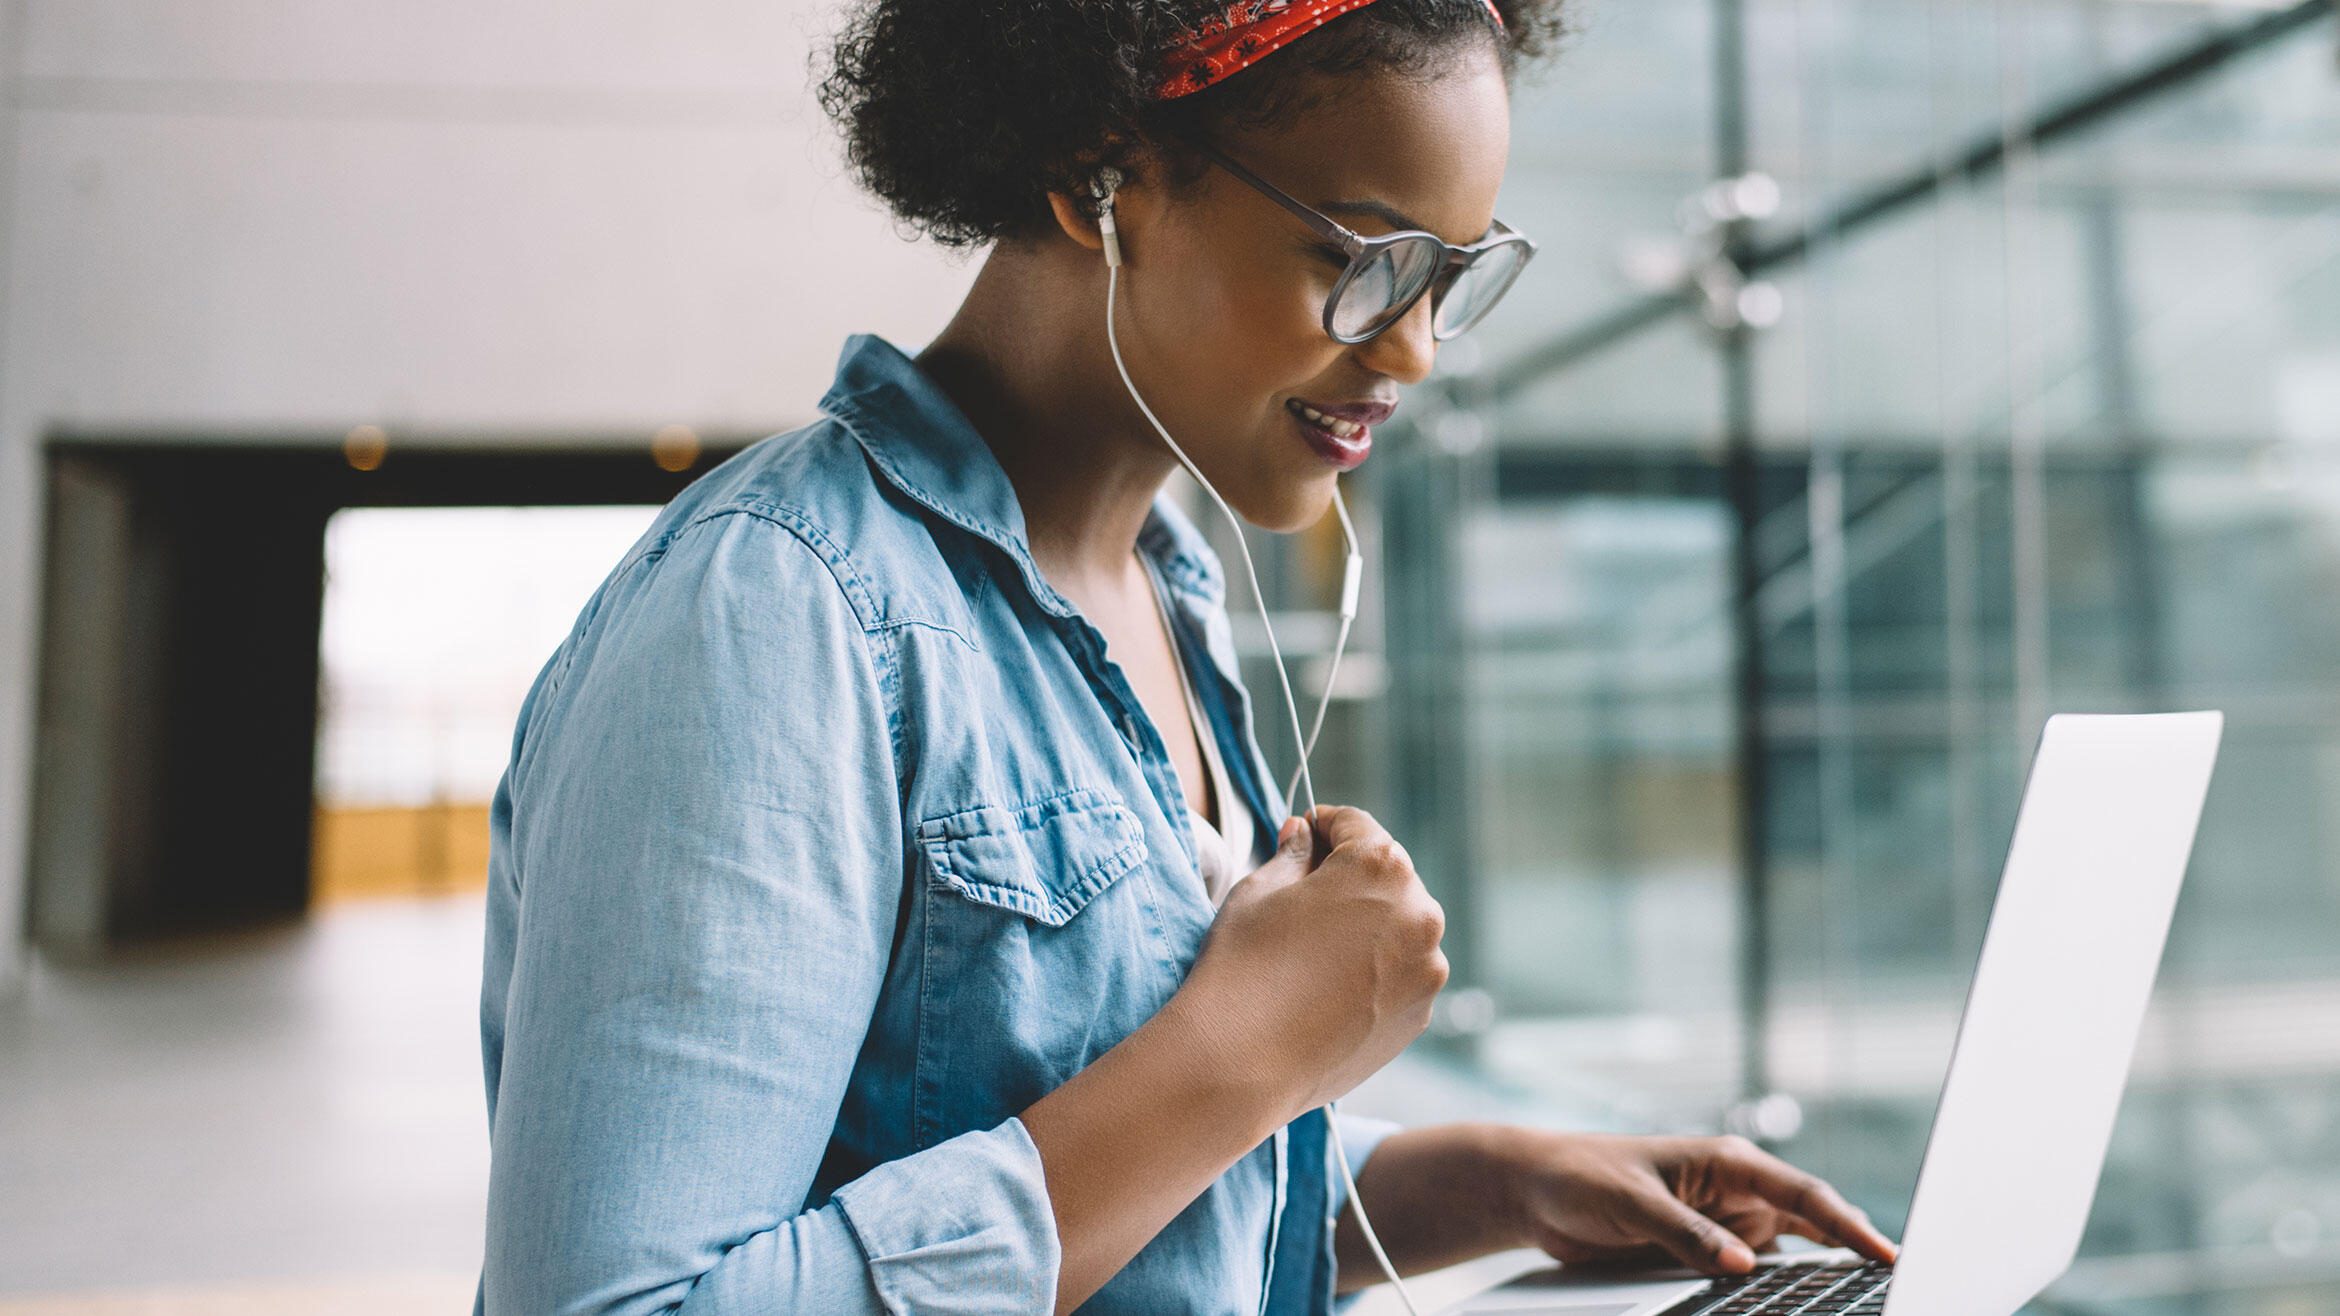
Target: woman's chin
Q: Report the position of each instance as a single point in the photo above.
(1295, 507)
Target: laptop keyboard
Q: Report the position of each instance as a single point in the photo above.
(1844, 1288)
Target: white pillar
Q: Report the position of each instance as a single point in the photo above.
(20, 531)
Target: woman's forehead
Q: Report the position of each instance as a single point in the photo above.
(1387, 151)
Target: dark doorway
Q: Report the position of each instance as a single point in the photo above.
(176, 743)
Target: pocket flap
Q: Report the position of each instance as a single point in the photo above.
(1043, 860)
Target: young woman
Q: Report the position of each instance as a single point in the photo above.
(889, 910)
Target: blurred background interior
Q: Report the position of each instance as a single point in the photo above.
(1895, 373)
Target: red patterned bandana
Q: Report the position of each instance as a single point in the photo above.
(1245, 32)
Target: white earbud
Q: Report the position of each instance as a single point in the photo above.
(1108, 182)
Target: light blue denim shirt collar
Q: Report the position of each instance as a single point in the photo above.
(926, 447)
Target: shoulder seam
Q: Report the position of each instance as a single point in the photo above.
(797, 526)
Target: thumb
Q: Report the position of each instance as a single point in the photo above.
(1287, 865)
(1696, 1241)
(1293, 842)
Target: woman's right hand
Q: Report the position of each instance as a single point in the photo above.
(1314, 978)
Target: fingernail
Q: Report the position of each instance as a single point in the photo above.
(1284, 833)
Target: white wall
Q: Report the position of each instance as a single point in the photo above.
(469, 219)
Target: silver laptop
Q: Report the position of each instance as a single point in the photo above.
(2043, 1052)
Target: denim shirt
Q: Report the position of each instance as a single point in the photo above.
(830, 840)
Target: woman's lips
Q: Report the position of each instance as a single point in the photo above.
(1345, 452)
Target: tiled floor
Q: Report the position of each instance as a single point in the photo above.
(290, 1120)
(386, 1295)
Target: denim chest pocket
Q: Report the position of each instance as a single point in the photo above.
(1044, 860)
(1040, 945)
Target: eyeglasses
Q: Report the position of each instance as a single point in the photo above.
(1388, 273)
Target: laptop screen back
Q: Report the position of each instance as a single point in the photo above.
(2075, 938)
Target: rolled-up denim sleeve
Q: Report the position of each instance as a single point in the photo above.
(1360, 1136)
(705, 858)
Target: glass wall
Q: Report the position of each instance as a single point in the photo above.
(2053, 426)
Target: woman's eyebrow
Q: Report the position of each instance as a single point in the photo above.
(1383, 211)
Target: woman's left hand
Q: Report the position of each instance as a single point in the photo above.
(1710, 1203)
(1446, 1193)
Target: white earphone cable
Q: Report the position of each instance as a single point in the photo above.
(1234, 524)
(1332, 670)
(1352, 575)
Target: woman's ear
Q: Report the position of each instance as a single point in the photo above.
(1076, 225)
(1134, 202)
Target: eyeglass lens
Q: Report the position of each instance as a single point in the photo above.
(1477, 289)
(1383, 286)
(1386, 285)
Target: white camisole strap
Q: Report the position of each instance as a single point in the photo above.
(1222, 861)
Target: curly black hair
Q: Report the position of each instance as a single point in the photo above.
(963, 115)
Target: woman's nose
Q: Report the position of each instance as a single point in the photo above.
(1406, 350)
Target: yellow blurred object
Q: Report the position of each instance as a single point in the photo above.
(365, 447)
(361, 854)
(675, 448)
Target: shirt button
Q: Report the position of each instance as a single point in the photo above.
(1129, 730)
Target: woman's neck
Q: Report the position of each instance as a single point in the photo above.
(1025, 358)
